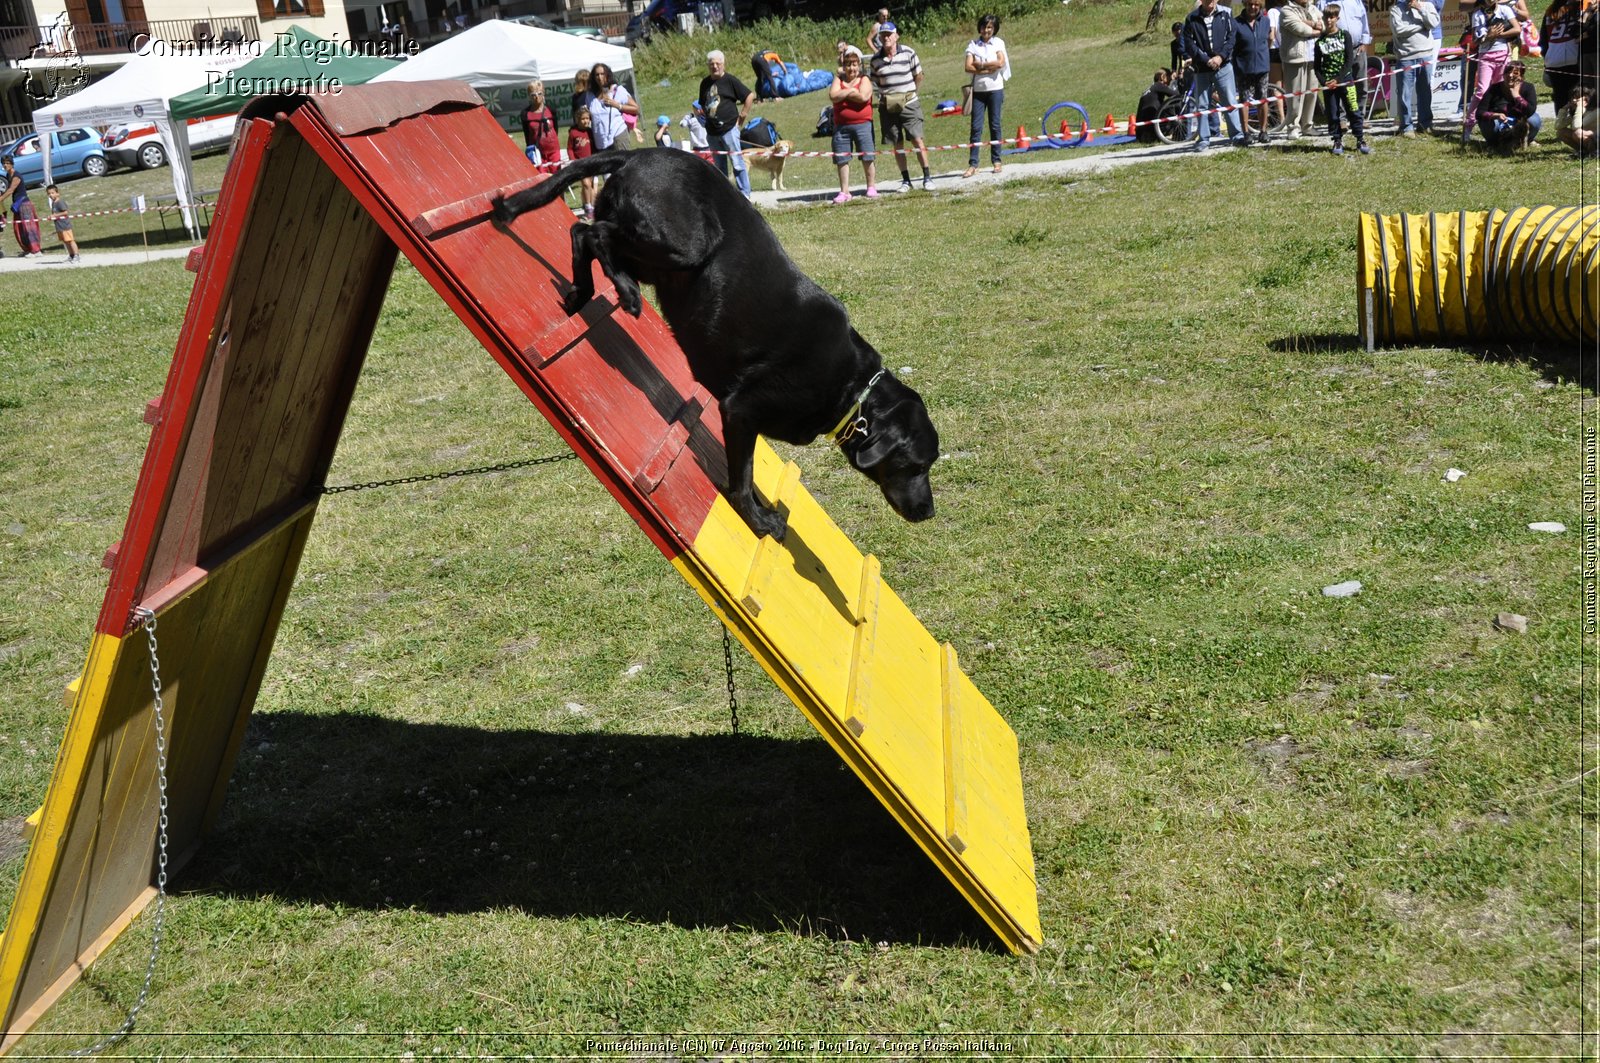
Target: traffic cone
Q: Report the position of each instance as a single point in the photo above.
(1088, 132)
(1110, 129)
(1023, 142)
(1133, 128)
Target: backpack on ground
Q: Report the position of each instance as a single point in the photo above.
(759, 133)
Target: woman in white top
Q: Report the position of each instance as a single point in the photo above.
(986, 62)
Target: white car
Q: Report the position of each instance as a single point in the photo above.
(139, 147)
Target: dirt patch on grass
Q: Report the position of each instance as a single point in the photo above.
(12, 843)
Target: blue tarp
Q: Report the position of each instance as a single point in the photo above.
(776, 80)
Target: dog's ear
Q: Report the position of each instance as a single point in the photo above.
(878, 446)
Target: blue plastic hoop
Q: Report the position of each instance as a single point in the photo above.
(1056, 141)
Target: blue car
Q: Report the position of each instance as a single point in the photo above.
(73, 153)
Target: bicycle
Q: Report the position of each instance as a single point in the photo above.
(1173, 120)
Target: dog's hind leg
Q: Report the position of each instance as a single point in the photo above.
(603, 240)
(739, 438)
(583, 256)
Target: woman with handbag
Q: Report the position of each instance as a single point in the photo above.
(989, 68)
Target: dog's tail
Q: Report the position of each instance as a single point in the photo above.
(608, 162)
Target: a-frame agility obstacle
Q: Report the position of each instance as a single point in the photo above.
(321, 195)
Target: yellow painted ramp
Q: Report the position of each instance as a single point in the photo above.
(893, 702)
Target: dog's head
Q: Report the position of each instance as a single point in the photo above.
(782, 148)
(898, 448)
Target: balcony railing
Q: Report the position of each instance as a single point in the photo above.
(123, 38)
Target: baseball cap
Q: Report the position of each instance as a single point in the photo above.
(888, 27)
(663, 120)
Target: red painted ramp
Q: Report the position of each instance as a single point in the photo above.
(321, 193)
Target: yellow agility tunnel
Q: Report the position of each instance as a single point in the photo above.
(1523, 274)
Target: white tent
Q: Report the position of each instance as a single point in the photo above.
(499, 58)
(141, 91)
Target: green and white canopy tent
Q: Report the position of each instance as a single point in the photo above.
(296, 61)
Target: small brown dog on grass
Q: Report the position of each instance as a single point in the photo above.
(771, 160)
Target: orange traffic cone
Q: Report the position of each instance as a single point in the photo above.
(1088, 132)
(1110, 129)
(1133, 128)
(1023, 143)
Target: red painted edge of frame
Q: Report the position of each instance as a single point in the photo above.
(156, 477)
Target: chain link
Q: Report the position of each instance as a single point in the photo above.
(426, 477)
(147, 618)
(727, 663)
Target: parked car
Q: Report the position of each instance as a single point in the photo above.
(73, 153)
(139, 147)
(539, 22)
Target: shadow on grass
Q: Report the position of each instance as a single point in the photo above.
(717, 831)
(157, 240)
(1557, 364)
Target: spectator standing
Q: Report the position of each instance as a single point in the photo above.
(580, 145)
(694, 123)
(1494, 28)
(25, 219)
(60, 214)
(897, 74)
(608, 103)
(1275, 69)
(1508, 114)
(1252, 59)
(539, 129)
(580, 93)
(1567, 41)
(1159, 92)
(726, 102)
(875, 37)
(851, 94)
(1336, 56)
(1413, 23)
(986, 62)
(1353, 17)
(1209, 36)
(1301, 26)
(664, 133)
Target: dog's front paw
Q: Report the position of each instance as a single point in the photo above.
(575, 300)
(630, 300)
(765, 521)
(504, 212)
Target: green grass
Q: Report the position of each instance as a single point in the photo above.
(1264, 821)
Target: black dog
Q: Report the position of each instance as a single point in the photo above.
(776, 350)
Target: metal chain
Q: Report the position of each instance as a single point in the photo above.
(727, 663)
(148, 618)
(502, 467)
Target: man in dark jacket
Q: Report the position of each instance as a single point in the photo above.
(1208, 40)
(1252, 58)
(1159, 92)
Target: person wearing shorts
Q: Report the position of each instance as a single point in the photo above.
(60, 213)
(897, 75)
(1251, 61)
(851, 94)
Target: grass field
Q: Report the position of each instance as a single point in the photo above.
(489, 802)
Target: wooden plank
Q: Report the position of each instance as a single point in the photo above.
(766, 565)
(468, 211)
(955, 752)
(863, 646)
